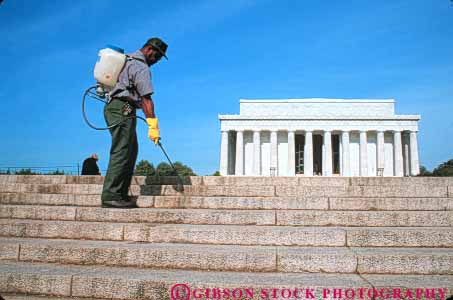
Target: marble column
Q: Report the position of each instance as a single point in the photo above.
(308, 154)
(256, 153)
(291, 153)
(346, 171)
(380, 152)
(239, 170)
(363, 154)
(398, 153)
(415, 163)
(327, 163)
(406, 155)
(274, 150)
(224, 154)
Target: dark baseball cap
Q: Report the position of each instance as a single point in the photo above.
(158, 44)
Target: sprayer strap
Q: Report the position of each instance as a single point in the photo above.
(134, 58)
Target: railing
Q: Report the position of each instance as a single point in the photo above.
(46, 170)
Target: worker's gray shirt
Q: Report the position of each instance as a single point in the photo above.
(134, 80)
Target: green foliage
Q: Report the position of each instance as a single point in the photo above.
(165, 169)
(216, 173)
(144, 168)
(425, 172)
(25, 172)
(183, 170)
(57, 172)
(444, 169)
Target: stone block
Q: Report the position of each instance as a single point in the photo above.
(50, 199)
(25, 279)
(61, 229)
(249, 181)
(177, 216)
(365, 218)
(450, 191)
(398, 191)
(316, 260)
(391, 203)
(37, 212)
(323, 181)
(431, 261)
(132, 283)
(424, 285)
(400, 237)
(401, 181)
(238, 235)
(362, 191)
(9, 251)
(310, 191)
(162, 256)
(207, 190)
(240, 202)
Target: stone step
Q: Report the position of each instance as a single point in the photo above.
(232, 234)
(232, 217)
(151, 190)
(144, 215)
(428, 261)
(236, 180)
(363, 191)
(50, 199)
(401, 203)
(239, 191)
(164, 233)
(365, 218)
(294, 202)
(129, 283)
(33, 297)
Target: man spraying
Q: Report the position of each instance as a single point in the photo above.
(132, 91)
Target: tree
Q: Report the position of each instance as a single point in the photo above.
(424, 171)
(57, 172)
(216, 173)
(144, 168)
(164, 169)
(183, 170)
(25, 172)
(444, 169)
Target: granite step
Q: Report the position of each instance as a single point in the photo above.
(239, 191)
(181, 233)
(427, 261)
(130, 283)
(290, 203)
(143, 215)
(150, 190)
(232, 234)
(232, 217)
(237, 180)
(37, 297)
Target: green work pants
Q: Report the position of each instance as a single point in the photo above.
(123, 152)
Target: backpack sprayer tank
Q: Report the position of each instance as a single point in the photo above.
(109, 65)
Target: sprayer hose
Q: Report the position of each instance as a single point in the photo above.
(89, 92)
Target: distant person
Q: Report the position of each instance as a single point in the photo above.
(90, 166)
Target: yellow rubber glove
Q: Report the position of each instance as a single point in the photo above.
(153, 130)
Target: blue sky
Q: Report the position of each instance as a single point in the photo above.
(219, 52)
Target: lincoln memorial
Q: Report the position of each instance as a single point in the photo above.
(319, 137)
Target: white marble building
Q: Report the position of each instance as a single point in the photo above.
(324, 137)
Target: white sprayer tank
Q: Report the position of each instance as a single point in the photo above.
(109, 66)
